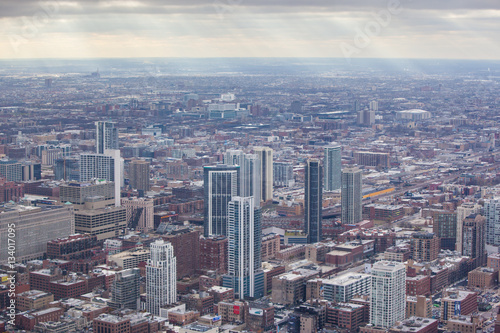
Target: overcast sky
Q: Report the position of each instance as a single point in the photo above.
(458, 29)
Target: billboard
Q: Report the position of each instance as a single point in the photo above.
(256, 312)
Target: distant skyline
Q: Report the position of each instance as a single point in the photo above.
(447, 29)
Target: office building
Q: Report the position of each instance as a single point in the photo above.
(344, 287)
(249, 173)
(221, 184)
(388, 294)
(313, 201)
(332, 167)
(245, 275)
(139, 175)
(131, 258)
(106, 136)
(11, 170)
(78, 193)
(161, 277)
(34, 226)
(108, 166)
(283, 174)
(50, 155)
(473, 244)
(140, 213)
(67, 169)
(424, 246)
(265, 156)
(125, 289)
(351, 195)
(104, 223)
(492, 214)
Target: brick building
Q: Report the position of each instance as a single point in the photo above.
(483, 277)
(424, 246)
(213, 254)
(73, 247)
(186, 244)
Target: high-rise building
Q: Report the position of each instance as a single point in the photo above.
(265, 156)
(283, 174)
(466, 209)
(332, 167)
(492, 214)
(67, 169)
(11, 170)
(245, 275)
(249, 173)
(104, 223)
(221, 184)
(35, 226)
(31, 171)
(186, 244)
(125, 289)
(78, 193)
(374, 159)
(374, 106)
(161, 277)
(473, 244)
(313, 201)
(388, 293)
(139, 175)
(445, 227)
(424, 246)
(106, 136)
(351, 195)
(108, 166)
(344, 287)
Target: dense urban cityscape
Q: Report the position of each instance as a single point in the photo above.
(249, 195)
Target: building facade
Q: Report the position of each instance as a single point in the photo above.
(245, 275)
(161, 277)
(388, 296)
(265, 157)
(351, 196)
(332, 167)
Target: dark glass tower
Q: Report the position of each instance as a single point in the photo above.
(313, 201)
(221, 184)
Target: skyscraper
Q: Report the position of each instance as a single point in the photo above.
(313, 201)
(125, 289)
(106, 136)
(388, 294)
(249, 173)
(473, 244)
(108, 166)
(244, 249)
(161, 277)
(139, 175)
(283, 174)
(466, 209)
(265, 156)
(221, 184)
(351, 195)
(332, 167)
(492, 214)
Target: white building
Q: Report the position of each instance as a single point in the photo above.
(351, 195)
(265, 156)
(332, 167)
(344, 287)
(108, 166)
(388, 293)
(106, 136)
(492, 214)
(161, 277)
(283, 174)
(249, 173)
(245, 275)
